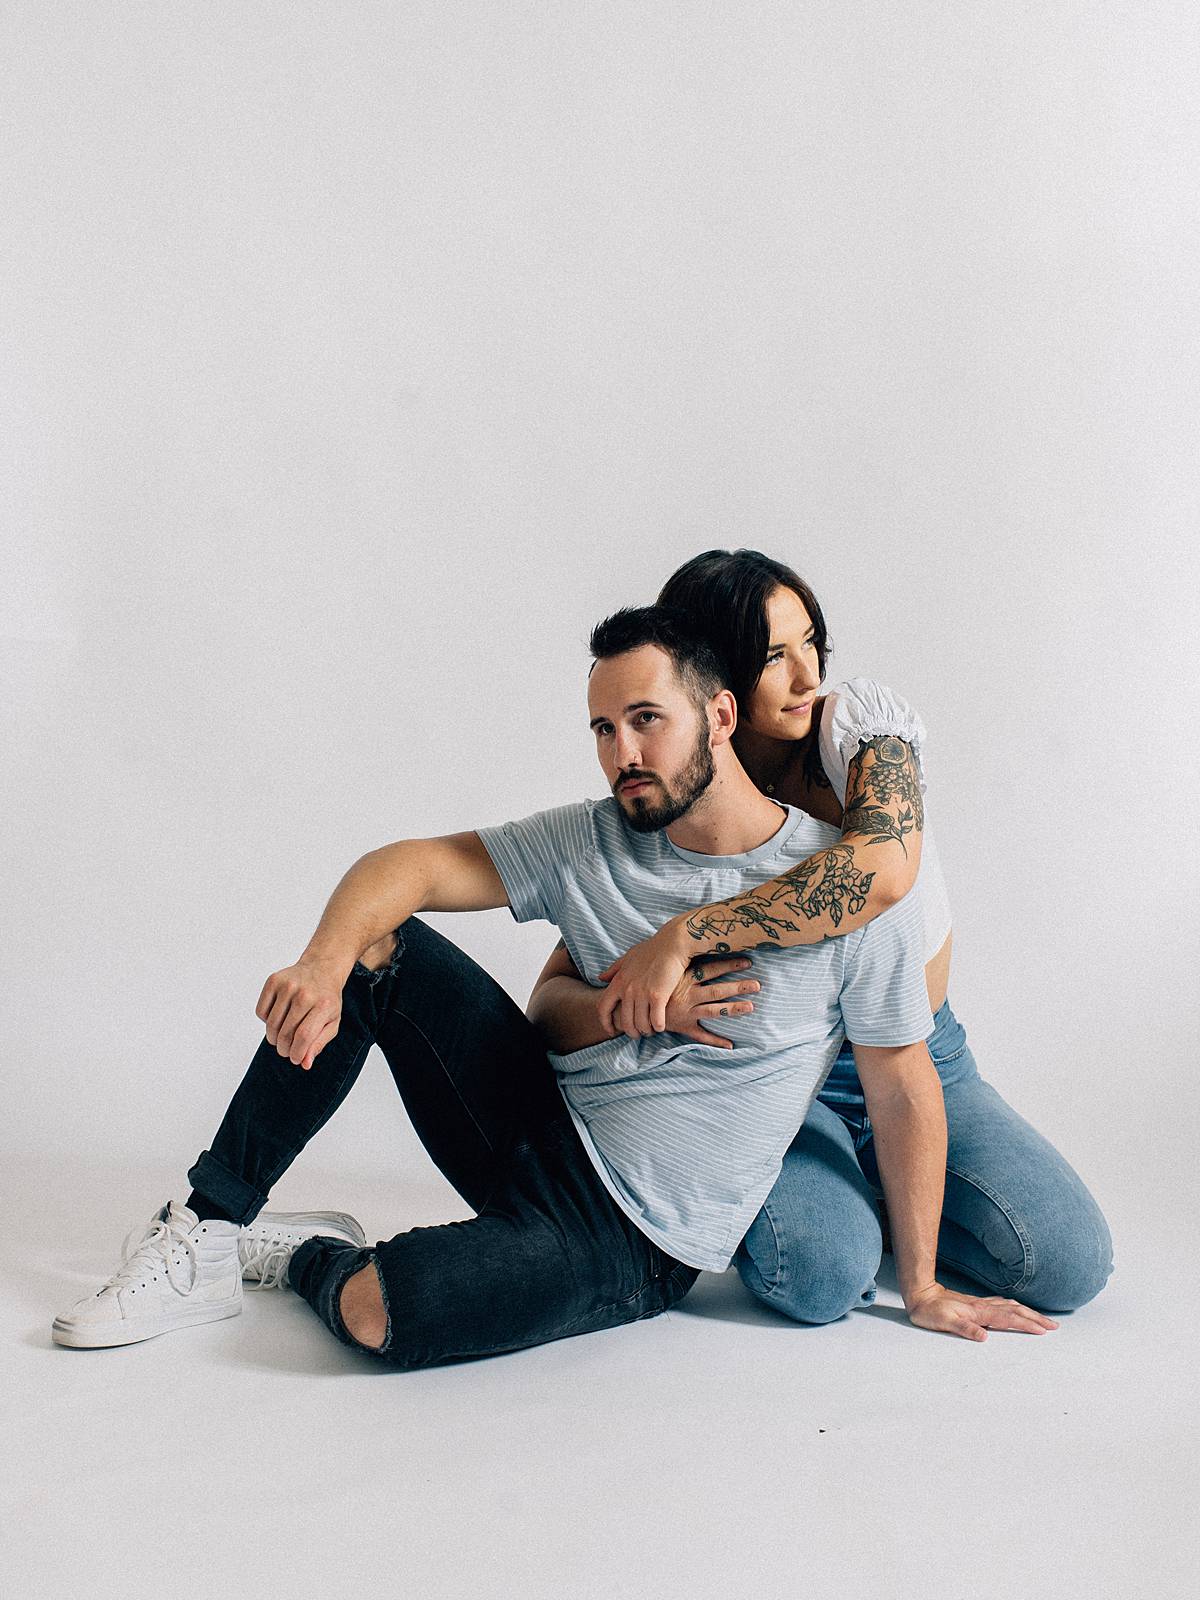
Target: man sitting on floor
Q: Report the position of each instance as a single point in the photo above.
(603, 1180)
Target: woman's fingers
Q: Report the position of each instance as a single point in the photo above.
(628, 1020)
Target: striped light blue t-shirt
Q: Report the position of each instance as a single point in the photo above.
(688, 1138)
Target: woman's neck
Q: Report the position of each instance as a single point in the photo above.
(766, 760)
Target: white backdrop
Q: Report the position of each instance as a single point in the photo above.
(358, 358)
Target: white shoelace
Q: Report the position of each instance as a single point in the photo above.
(269, 1258)
(154, 1249)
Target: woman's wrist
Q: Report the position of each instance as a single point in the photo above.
(677, 939)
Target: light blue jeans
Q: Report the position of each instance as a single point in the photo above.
(1016, 1219)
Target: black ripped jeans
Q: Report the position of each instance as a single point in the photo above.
(549, 1252)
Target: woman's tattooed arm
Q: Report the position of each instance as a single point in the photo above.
(883, 792)
(830, 893)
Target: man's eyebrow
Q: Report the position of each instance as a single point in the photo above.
(638, 705)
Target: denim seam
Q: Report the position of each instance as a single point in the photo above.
(1010, 1217)
(776, 1288)
(352, 1066)
(942, 1061)
(433, 1050)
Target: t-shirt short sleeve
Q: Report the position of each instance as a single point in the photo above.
(862, 709)
(535, 856)
(884, 999)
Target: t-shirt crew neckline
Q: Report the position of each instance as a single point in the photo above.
(791, 821)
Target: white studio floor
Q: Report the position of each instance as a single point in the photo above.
(715, 1451)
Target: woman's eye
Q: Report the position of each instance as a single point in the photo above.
(775, 655)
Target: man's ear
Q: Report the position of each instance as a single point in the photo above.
(722, 717)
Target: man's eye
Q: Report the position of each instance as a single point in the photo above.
(648, 716)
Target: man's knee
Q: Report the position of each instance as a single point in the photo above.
(362, 1308)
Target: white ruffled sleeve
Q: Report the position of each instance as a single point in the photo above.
(863, 709)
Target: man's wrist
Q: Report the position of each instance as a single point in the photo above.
(337, 960)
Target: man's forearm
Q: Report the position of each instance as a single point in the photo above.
(379, 892)
(908, 1114)
(563, 1010)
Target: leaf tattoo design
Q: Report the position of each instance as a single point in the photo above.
(874, 820)
(829, 884)
(887, 771)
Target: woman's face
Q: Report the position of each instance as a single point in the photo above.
(781, 706)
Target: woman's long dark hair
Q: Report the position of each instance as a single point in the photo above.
(725, 594)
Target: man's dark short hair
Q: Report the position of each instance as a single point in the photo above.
(697, 664)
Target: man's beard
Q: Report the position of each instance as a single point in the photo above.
(647, 817)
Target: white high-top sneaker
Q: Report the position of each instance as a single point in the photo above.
(180, 1272)
(269, 1242)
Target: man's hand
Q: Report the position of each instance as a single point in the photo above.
(707, 989)
(302, 1007)
(642, 982)
(944, 1311)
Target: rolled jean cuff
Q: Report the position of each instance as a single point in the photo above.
(358, 970)
(236, 1198)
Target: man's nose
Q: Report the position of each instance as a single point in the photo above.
(627, 750)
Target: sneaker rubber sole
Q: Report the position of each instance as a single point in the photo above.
(106, 1336)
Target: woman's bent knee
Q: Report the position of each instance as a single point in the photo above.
(809, 1286)
(362, 1308)
(1068, 1277)
(827, 1299)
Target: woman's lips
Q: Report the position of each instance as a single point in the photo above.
(801, 710)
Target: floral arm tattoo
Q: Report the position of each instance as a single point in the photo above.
(829, 882)
(883, 802)
(883, 792)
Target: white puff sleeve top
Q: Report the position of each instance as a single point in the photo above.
(863, 709)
